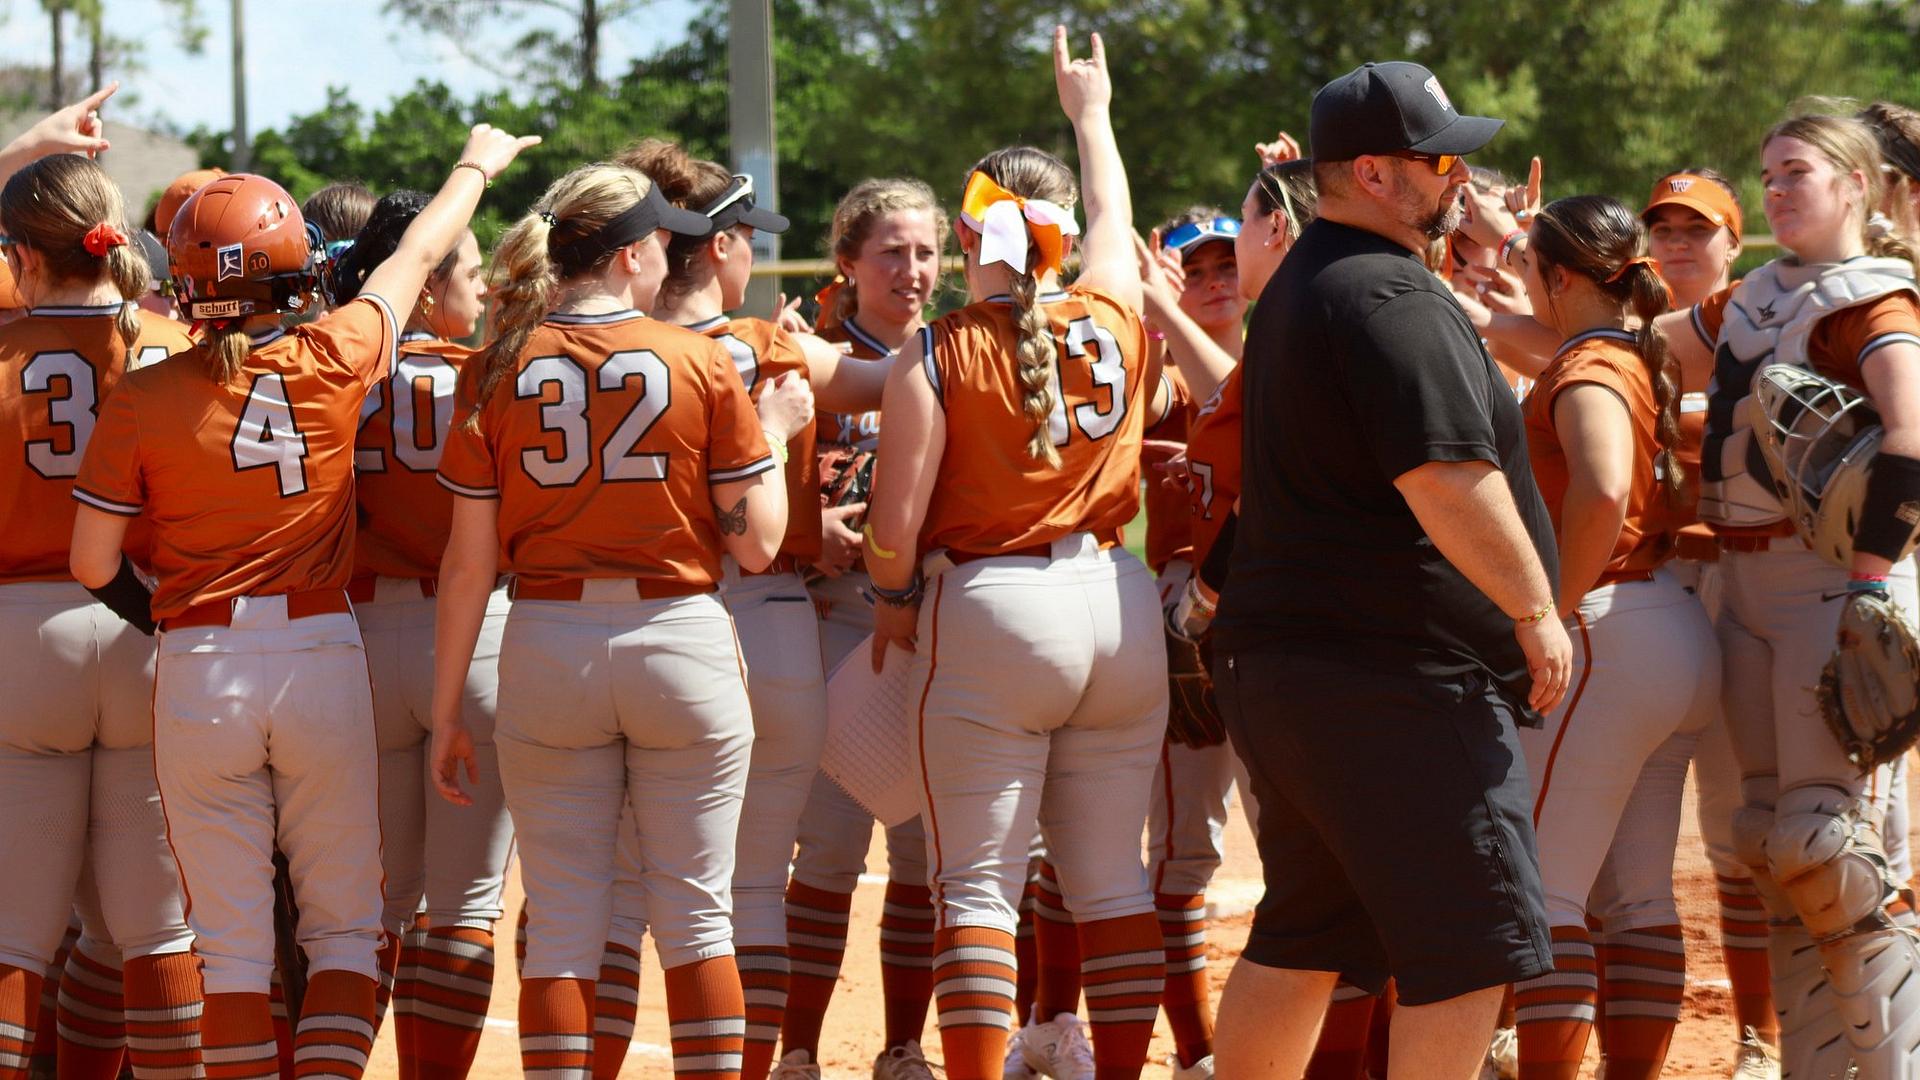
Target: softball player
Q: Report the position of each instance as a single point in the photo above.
(609, 458)
(239, 453)
(886, 245)
(76, 751)
(1192, 786)
(1603, 424)
(1842, 303)
(779, 635)
(1693, 233)
(1008, 463)
(456, 857)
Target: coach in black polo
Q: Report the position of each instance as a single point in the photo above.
(1388, 614)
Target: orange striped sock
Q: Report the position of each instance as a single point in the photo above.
(236, 1038)
(1123, 965)
(19, 1010)
(282, 1023)
(388, 961)
(1342, 1051)
(973, 985)
(336, 1029)
(1056, 950)
(556, 1028)
(1646, 976)
(1743, 947)
(1027, 974)
(406, 994)
(46, 1019)
(763, 977)
(450, 984)
(906, 960)
(616, 1003)
(163, 1014)
(1555, 1012)
(707, 1019)
(816, 941)
(1183, 930)
(91, 1018)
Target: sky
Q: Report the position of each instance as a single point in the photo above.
(296, 48)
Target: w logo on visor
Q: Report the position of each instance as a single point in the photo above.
(1680, 185)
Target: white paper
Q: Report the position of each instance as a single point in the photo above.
(867, 752)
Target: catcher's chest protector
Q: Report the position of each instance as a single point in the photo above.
(1769, 320)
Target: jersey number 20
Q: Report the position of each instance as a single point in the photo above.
(567, 417)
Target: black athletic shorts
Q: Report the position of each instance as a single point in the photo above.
(1395, 829)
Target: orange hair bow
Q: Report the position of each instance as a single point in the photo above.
(1006, 222)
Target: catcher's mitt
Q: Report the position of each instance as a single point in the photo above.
(846, 477)
(1193, 717)
(1870, 690)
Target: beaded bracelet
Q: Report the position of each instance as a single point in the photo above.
(476, 167)
(901, 598)
(1538, 615)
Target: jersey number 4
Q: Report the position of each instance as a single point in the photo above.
(1109, 370)
(266, 437)
(567, 416)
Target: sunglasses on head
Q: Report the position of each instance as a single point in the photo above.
(1442, 163)
(740, 191)
(1185, 236)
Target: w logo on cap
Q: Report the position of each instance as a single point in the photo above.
(1439, 95)
(1679, 185)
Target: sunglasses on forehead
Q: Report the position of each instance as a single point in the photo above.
(1182, 237)
(1442, 163)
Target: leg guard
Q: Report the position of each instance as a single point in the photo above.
(1825, 851)
(1813, 1045)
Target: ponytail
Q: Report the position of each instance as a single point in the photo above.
(1036, 367)
(226, 352)
(1889, 244)
(524, 285)
(1650, 299)
(128, 271)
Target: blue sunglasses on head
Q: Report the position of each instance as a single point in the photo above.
(1198, 232)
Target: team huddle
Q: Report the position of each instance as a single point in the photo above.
(317, 616)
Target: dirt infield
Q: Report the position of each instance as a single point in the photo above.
(1703, 1047)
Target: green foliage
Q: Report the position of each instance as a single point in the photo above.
(1611, 93)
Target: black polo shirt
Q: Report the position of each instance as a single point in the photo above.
(1361, 367)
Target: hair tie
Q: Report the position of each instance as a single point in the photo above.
(1637, 260)
(1006, 223)
(828, 296)
(101, 239)
(1879, 226)
(547, 216)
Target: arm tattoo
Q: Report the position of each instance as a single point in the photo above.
(733, 522)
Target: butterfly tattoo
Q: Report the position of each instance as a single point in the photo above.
(733, 522)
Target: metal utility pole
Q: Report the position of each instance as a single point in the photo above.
(242, 144)
(750, 124)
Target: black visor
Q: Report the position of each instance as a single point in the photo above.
(735, 207)
(653, 212)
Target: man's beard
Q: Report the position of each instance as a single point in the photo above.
(1433, 222)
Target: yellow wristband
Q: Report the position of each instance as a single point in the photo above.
(874, 545)
(779, 448)
(1538, 615)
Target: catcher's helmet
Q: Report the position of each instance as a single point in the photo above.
(1819, 438)
(239, 247)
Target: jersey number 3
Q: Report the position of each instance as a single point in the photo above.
(266, 437)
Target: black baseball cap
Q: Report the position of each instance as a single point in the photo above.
(1378, 108)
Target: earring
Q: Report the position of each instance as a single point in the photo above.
(426, 305)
